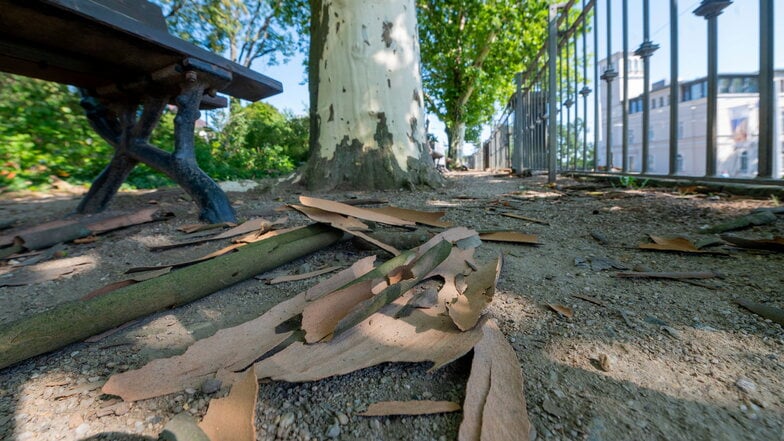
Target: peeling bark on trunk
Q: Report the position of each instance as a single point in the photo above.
(367, 119)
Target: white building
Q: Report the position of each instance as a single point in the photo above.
(737, 123)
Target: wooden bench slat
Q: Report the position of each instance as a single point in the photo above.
(87, 44)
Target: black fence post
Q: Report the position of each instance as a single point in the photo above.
(710, 10)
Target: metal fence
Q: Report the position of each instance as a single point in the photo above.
(585, 108)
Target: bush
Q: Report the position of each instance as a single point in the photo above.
(43, 132)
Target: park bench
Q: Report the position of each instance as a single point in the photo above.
(128, 68)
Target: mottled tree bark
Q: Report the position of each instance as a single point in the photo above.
(366, 103)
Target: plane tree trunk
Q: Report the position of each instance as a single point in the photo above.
(366, 102)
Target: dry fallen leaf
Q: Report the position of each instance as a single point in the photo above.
(494, 407)
(230, 349)
(562, 310)
(510, 236)
(232, 418)
(679, 244)
(466, 309)
(423, 407)
(348, 210)
(431, 218)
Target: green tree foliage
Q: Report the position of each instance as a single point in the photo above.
(471, 50)
(242, 30)
(257, 141)
(43, 132)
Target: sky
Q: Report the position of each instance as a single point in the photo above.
(738, 47)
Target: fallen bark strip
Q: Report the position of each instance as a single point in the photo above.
(494, 407)
(420, 268)
(754, 219)
(414, 407)
(78, 320)
(775, 244)
(677, 275)
(48, 234)
(765, 311)
(525, 218)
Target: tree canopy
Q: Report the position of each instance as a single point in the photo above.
(242, 30)
(471, 50)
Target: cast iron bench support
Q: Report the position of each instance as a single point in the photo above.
(117, 123)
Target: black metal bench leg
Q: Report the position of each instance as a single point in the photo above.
(215, 206)
(130, 139)
(107, 184)
(114, 130)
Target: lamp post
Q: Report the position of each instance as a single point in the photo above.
(710, 10)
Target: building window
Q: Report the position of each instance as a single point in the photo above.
(686, 93)
(661, 101)
(679, 163)
(651, 162)
(631, 136)
(653, 103)
(698, 90)
(744, 162)
(680, 129)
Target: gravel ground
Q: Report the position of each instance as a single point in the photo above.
(657, 359)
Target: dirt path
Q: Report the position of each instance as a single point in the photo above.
(656, 359)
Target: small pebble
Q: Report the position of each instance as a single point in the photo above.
(82, 430)
(342, 418)
(746, 385)
(333, 431)
(605, 362)
(286, 420)
(211, 385)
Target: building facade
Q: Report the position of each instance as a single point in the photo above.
(737, 123)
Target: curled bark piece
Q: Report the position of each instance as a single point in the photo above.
(494, 407)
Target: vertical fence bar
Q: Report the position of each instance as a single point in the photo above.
(585, 90)
(608, 76)
(552, 51)
(568, 103)
(517, 124)
(674, 88)
(596, 122)
(576, 103)
(560, 107)
(625, 101)
(710, 10)
(767, 91)
(646, 49)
